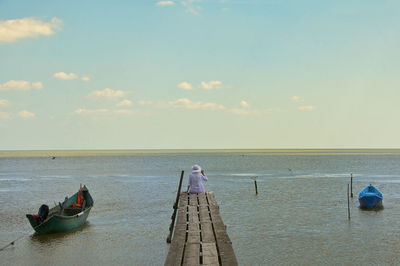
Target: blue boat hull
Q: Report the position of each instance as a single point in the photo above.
(370, 201)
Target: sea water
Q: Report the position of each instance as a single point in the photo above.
(299, 216)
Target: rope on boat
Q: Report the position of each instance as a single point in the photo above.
(11, 243)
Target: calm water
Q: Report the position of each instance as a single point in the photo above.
(298, 218)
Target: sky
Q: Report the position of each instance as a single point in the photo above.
(199, 74)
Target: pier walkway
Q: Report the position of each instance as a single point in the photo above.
(200, 236)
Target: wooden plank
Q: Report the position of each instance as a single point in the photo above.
(193, 214)
(216, 218)
(176, 249)
(225, 248)
(204, 214)
(211, 198)
(183, 200)
(193, 237)
(202, 199)
(223, 241)
(210, 254)
(192, 254)
(175, 252)
(226, 253)
(182, 219)
(193, 200)
(207, 233)
(194, 230)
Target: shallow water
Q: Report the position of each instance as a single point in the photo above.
(299, 216)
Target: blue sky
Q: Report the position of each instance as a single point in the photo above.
(199, 74)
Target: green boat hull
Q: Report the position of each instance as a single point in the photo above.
(62, 219)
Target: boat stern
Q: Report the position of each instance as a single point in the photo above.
(370, 202)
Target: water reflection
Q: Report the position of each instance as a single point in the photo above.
(48, 238)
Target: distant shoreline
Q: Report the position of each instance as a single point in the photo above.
(70, 153)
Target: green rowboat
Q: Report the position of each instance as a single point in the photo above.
(64, 216)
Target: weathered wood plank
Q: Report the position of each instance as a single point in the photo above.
(193, 215)
(207, 233)
(175, 252)
(193, 237)
(204, 214)
(181, 217)
(211, 198)
(226, 252)
(215, 215)
(223, 241)
(193, 200)
(210, 254)
(225, 248)
(192, 254)
(202, 199)
(194, 230)
(183, 200)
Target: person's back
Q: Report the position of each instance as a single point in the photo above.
(196, 179)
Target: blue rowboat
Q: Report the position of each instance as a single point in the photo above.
(370, 198)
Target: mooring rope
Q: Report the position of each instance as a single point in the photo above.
(11, 243)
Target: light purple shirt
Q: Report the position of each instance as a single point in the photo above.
(196, 182)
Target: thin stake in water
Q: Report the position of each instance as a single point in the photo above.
(255, 183)
(351, 185)
(348, 202)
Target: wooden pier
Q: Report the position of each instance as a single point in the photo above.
(200, 236)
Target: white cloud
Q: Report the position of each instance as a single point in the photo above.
(20, 85)
(108, 94)
(296, 99)
(165, 3)
(246, 111)
(85, 78)
(37, 85)
(124, 103)
(244, 104)
(81, 111)
(65, 76)
(213, 84)
(185, 86)
(4, 103)
(89, 112)
(307, 108)
(14, 29)
(4, 115)
(190, 7)
(185, 103)
(142, 102)
(26, 114)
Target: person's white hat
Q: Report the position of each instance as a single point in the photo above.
(196, 168)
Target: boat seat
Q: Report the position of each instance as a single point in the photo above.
(71, 211)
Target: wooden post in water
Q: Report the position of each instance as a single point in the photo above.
(255, 184)
(348, 203)
(351, 185)
(171, 227)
